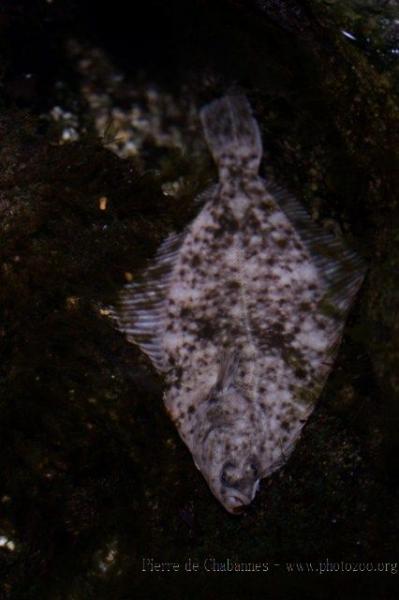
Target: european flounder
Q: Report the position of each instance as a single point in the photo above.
(243, 311)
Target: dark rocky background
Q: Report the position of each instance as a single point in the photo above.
(93, 475)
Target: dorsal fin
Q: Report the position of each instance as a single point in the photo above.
(341, 268)
(140, 311)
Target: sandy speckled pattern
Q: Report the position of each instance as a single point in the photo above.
(243, 311)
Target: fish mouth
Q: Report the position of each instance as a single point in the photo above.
(237, 503)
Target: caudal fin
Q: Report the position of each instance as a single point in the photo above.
(231, 131)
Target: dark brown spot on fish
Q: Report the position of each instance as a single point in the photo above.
(205, 328)
(300, 373)
(305, 306)
(195, 261)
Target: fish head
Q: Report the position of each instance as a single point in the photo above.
(226, 451)
(232, 468)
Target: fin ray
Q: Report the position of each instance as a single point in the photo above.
(340, 267)
(231, 130)
(140, 311)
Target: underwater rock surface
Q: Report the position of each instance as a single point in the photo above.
(94, 477)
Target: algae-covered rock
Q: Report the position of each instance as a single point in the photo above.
(94, 478)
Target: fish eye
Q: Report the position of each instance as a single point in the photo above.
(253, 468)
(226, 476)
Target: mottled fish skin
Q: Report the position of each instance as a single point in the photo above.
(243, 312)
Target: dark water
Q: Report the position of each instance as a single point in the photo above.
(94, 478)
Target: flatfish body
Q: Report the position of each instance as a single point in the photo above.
(243, 312)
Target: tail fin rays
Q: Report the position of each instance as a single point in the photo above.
(231, 131)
